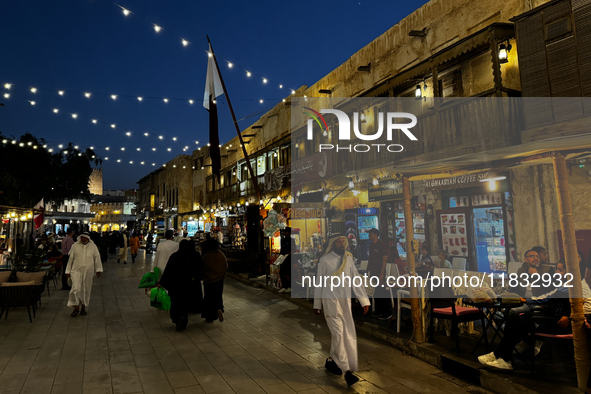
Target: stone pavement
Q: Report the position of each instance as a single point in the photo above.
(265, 345)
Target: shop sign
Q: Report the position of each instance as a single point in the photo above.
(389, 189)
(461, 180)
(311, 213)
(315, 167)
(278, 178)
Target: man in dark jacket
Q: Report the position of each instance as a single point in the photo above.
(554, 307)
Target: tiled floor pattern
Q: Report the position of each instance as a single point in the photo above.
(265, 345)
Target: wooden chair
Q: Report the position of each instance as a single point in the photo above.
(443, 306)
(16, 297)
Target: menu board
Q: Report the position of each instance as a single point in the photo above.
(454, 233)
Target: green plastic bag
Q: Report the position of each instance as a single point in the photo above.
(160, 299)
(150, 279)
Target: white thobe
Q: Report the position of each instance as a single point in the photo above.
(163, 252)
(336, 304)
(84, 263)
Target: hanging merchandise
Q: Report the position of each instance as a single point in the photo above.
(273, 223)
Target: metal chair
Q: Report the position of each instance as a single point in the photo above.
(458, 263)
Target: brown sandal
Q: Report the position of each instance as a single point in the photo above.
(75, 313)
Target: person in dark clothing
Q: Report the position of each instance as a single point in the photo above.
(554, 305)
(18, 241)
(378, 258)
(182, 279)
(285, 268)
(149, 243)
(213, 269)
(53, 252)
(104, 242)
(114, 242)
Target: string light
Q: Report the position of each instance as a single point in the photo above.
(264, 80)
(6, 95)
(146, 134)
(190, 101)
(74, 116)
(157, 28)
(7, 86)
(230, 65)
(60, 92)
(94, 121)
(185, 42)
(32, 102)
(33, 90)
(55, 110)
(113, 125)
(128, 134)
(248, 73)
(114, 96)
(165, 100)
(140, 98)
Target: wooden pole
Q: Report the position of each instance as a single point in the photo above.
(242, 145)
(567, 225)
(415, 305)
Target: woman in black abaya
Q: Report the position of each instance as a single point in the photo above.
(182, 279)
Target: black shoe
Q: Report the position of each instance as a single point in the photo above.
(385, 316)
(376, 315)
(332, 367)
(118, 261)
(125, 262)
(66, 288)
(350, 378)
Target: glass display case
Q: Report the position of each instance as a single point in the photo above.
(489, 234)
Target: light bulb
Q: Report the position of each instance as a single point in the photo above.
(60, 92)
(230, 65)
(91, 148)
(185, 42)
(261, 101)
(146, 134)
(60, 146)
(123, 148)
(118, 160)
(130, 162)
(32, 102)
(87, 95)
(113, 126)
(157, 28)
(154, 149)
(161, 137)
(492, 185)
(74, 116)
(7, 86)
(94, 121)
(283, 100)
(142, 163)
(248, 73)
(165, 100)
(197, 142)
(138, 149)
(140, 98)
(107, 148)
(293, 92)
(153, 164)
(169, 149)
(174, 138)
(128, 134)
(190, 101)
(125, 12)
(33, 90)
(208, 144)
(280, 86)
(209, 54)
(55, 110)
(114, 96)
(264, 80)
(6, 95)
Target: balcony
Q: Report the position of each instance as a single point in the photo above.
(233, 192)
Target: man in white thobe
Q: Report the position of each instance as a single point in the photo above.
(84, 263)
(336, 303)
(164, 250)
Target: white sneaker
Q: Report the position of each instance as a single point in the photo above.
(288, 290)
(487, 358)
(282, 290)
(521, 347)
(499, 363)
(537, 347)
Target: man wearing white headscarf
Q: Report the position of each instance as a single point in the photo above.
(84, 263)
(336, 303)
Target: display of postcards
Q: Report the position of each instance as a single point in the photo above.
(452, 230)
(461, 219)
(445, 229)
(444, 218)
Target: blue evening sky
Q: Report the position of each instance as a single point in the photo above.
(91, 46)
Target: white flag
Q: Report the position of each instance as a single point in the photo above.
(213, 86)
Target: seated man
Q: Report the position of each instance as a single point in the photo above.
(555, 304)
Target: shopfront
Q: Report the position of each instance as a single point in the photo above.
(393, 231)
(476, 220)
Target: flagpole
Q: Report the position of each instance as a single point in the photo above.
(252, 176)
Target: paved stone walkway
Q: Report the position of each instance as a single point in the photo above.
(265, 345)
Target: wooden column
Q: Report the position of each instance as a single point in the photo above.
(415, 305)
(567, 226)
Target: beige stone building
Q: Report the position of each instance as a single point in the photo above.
(445, 49)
